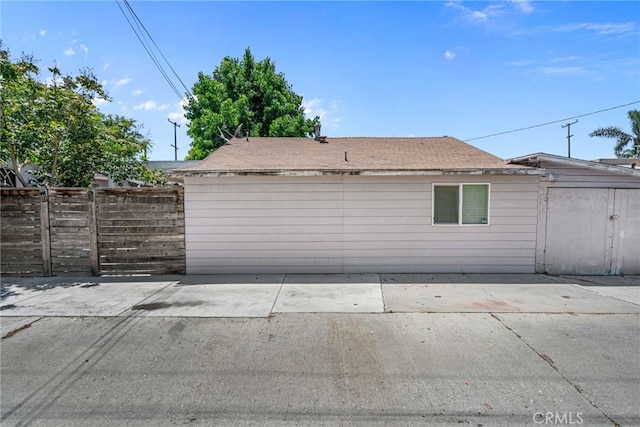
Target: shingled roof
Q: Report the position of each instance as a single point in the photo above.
(362, 156)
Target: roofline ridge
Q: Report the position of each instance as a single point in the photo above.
(392, 137)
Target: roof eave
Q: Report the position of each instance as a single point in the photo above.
(567, 161)
(363, 172)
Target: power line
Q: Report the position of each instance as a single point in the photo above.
(140, 34)
(186, 89)
(151, 55)
(553, 122)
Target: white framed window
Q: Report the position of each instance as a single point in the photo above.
(460, 204)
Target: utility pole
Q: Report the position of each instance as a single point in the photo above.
(568, 126)
(175, 137)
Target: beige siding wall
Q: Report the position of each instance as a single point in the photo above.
(336, 224)
(263, 224)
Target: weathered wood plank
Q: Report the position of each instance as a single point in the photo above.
(137, 253)
(137, 216)
(105, 225)
(143, 229)
(138, 241)
(115, 231)
(21, 238)
(25, 255)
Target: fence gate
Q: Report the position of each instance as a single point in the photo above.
(593, 231)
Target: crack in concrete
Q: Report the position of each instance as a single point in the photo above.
(550, 362)
(21, 328)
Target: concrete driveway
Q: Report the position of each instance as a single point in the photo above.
(321, 350)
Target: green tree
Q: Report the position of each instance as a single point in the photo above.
(622, 138)
(21, 100)
(68, 150)
(124, 149)
(55, 127)
(243, 92)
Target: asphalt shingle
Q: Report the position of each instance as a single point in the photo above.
(344, 155)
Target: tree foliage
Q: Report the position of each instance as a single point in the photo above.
(623, 139)
(54, 127)
(243, 92)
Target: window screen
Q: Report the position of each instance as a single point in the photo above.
(475, 203)
(461, 204)
(445, 208)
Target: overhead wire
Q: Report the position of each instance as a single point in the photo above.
(186, 89)
(552, 122)
(156, 61)
(140, 34)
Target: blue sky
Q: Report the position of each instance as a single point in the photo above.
(419, 68)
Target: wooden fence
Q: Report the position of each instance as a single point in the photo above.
(105, 231)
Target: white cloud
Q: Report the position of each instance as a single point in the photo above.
(564, 59)
(522, 63)
(151, 106)
(561, 71)
(99, 101)
(524, 5)
(137, 92)
(178, 114)
(85, 49)
(106, 65)
(489, 12)
(314, 108)
(597, 67)
(600, 29)
(449, 55)
(43, 32)
(122, 82)
(328, 114)
(69, 52)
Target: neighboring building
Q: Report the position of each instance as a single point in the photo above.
(169, 166)
(165, 166)
(353, 205)
(589, 215)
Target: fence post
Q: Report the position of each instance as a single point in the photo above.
(45, 232)
(93, 234)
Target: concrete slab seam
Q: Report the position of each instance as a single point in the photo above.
(384, 300)
(275, 300)
(549, 361)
